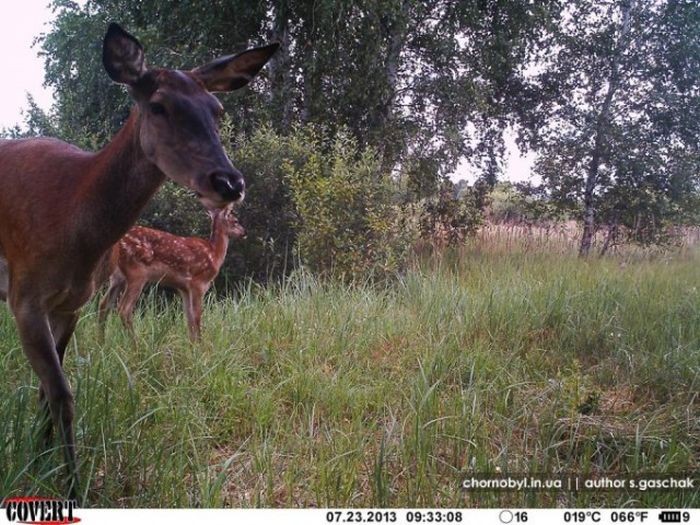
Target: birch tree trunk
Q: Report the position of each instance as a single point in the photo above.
(601, 132)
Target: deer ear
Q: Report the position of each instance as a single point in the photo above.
(122, 56)
(234, 71)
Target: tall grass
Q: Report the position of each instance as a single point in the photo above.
(313, 393)
(565, 237)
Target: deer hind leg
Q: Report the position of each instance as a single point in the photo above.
(128, 302)
(42, 352)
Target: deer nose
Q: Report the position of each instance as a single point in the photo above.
(228, 184)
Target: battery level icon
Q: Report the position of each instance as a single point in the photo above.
(670, 516)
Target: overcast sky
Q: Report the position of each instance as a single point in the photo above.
(23, 72)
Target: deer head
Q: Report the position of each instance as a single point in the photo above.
(178, 114)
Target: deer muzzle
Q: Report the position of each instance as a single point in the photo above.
(228, 184)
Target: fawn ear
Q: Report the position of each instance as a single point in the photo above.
(234, 71)
(218, 213)
(122, 56)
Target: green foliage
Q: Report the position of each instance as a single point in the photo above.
(506, 204)
(346, 220)
(174, 33)
(176, 210)
(267, 213)
(509, 203)
(310, 198)
(615, 118)
(450, 217)
(429, 81)
(37, 122)
(610, 106)
(422, 177)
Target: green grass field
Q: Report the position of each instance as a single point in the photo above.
(312, 394)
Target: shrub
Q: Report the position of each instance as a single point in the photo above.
(447, 218)
(522, 203)
(267, 213)
(348, 225)
(175, 209)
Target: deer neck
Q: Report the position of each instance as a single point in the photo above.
(121, 184)
(219, 241)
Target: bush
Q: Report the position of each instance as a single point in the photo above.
(523, 203)
(347, 225)
(447, 218)
(175, 209)
(268, 212)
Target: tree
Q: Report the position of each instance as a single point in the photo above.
(423, 83)
(617, 113)
(36, 123)
(89, 108)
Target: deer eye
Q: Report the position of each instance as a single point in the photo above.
(157, 108)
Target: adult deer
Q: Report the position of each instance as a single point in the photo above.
(62, 208)
(187, 264)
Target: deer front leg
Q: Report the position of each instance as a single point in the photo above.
(62, 326)
(40, 348)
(192, 303)
(4, 279)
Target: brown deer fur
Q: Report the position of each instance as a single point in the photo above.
(62, 208)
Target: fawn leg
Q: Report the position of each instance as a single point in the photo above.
(128, 302)
(196, 301)
(192, 304)
(117, 283)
